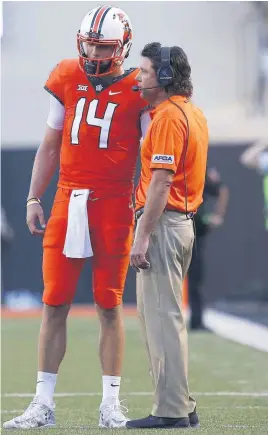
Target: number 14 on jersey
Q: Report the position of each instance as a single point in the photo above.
(91, 119)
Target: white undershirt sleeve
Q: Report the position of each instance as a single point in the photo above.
(145, 120)
(56, 114)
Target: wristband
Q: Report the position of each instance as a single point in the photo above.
(33, 201)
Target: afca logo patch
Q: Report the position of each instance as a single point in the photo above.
(163, 158)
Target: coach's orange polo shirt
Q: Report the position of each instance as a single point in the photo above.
(164, 147)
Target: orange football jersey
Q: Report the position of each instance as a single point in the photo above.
(101, 134)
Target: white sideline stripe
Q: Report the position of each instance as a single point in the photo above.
(237, 329)
(146, 393)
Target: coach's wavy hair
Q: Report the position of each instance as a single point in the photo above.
(182, 84)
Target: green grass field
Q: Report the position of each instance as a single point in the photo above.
(216, 366)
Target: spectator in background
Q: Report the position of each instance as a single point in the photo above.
(204, 223)
(256, 157)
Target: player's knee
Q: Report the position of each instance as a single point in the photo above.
(55, 314)
(108, 316)
(108, 299)
(56, 295)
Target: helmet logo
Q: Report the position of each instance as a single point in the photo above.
(123, 20)
(127, 29)
(121, 16)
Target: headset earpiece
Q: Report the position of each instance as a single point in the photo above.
(165, 73)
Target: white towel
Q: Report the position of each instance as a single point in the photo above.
(77, 241)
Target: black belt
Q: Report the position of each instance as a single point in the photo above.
(140, 211)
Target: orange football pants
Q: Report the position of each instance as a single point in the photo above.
(111, 222)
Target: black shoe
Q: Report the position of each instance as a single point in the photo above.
(194, 420)
(153, 422)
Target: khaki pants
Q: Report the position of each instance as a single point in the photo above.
(159, 299)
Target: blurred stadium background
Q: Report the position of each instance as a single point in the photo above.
(225, 53)
(227, 45)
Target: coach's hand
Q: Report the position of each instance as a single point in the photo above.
(137, 254)
(34, 214)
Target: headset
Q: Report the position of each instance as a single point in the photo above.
(165, 73)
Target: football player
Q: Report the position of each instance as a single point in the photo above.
(94, 129)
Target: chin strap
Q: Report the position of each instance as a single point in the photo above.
(91, 67)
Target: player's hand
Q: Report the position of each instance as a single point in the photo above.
(34, 215)
(215, 220)
(137, 255)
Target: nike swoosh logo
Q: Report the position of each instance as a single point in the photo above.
(114, 93)
(77, 194)
(38, 382)
(115, 385)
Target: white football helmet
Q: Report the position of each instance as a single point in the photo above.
(104, 25)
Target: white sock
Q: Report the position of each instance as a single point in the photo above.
(110, 388)
(45, 386)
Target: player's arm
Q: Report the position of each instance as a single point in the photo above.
(45, 164)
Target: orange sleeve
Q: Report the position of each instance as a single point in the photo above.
(167, 138)
(54, 84)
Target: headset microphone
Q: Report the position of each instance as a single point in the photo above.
(138, 88)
